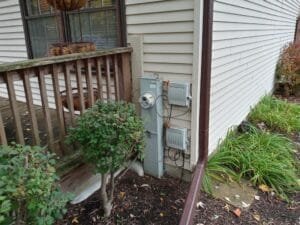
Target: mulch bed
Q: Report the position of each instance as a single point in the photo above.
(147, 200)
(268, 210)
(138, 200)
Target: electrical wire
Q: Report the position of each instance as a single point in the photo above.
(168, 108)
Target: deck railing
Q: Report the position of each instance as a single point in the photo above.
(40, 98)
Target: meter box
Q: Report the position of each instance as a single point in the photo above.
(179, 93)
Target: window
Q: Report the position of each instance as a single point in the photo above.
(99, 22)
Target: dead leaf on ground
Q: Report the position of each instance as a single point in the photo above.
(256, 217)
(122, 194)
(245, 205)
(200, 204)
(75, 220)
(237, 212)
(264, 188)
(227, 207)
(227, 199)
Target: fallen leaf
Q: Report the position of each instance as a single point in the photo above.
(200, 204)
(215, 217)
(264, 188)
(173, 207)
(257, 197)
(256, 217)
(227, 207)
(237, 212)
(245, 205)
(122, 194)
(227, 199)
(75, 220)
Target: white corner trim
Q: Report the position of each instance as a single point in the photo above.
(196, 79)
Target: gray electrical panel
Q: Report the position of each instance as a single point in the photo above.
(152, 113)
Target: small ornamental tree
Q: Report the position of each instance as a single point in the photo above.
(110, 135)
(29, 192)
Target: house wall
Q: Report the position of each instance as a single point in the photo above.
(12, 39)
(162, 33)
(247, 38)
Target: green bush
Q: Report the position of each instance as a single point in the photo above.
(28, 190)
(261, 157)
(110, 134)
(278, 115)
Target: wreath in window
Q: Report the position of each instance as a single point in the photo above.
(67, 5)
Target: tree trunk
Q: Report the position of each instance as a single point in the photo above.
(106, 203)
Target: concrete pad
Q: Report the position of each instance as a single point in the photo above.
(239, 195)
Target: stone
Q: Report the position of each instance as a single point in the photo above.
(228, 192)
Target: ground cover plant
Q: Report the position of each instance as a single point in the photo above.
(110, 134)
(29, 193)
(277, 115)
(261, 157)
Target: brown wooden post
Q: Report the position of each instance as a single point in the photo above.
(45, 106)
(116, 77)
(14, 108)
(69, 93)
(99, 62)
(59, 106)
(108, 81)
(80, 86)
(3, 140)
(31, 109)
(89, 82)
(126, 78)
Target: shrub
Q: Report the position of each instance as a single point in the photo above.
(288, 67)
(278, 115)
(28, 190)
(261, 157)
(110, 134)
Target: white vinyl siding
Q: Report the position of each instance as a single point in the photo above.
(247, 38)
(166, 27)
(12, 38)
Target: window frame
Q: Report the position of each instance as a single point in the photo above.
(66, 29)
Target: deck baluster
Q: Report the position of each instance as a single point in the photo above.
(3, 139)
(116, 77)
(30, 106)
(99, 62)
(69, 92)
(89, 82)
(14, 108)
(108, 84)
(80, 86)
(45, 106)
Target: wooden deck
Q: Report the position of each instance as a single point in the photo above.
(10, 130)
(41, 98)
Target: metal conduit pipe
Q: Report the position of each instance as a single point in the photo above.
(187, 217)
